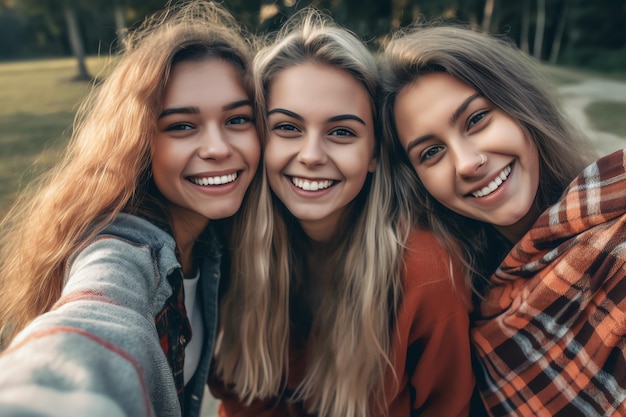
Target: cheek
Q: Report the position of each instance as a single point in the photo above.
(272, 156)
(160, 162)
(274, 163)
(435, 183)
(252, 153)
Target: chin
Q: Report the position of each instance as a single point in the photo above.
(223, 213)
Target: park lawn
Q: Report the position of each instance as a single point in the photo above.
(608, 116)
(39, 99)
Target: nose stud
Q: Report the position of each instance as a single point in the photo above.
(483, 159)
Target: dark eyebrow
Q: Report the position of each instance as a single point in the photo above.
(412, 144)
(455, 117)
(179, 110)
(196, 110)
(286, 112)
(346, 117)
(462, 108)
(332, 119)
(240, 103)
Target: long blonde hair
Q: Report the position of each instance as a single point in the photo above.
(106, 167)
(510, 80)
(351, 334)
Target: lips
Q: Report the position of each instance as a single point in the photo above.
(311, 185)
(214, 180)
(495, 184)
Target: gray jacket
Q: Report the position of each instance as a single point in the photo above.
(97, 352)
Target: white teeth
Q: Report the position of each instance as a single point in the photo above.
(220, 180)
(493, 185)
(309, 185)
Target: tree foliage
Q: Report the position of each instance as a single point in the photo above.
(577, 32)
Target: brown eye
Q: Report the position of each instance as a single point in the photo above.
(178, 127)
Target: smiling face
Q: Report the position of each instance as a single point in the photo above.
(470, 156)
(206, 151)
(321, 144)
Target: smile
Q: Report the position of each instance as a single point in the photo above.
(309, 185)
(217, 180)
(495, 184)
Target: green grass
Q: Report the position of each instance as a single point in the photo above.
(608, 116)
(39, 101)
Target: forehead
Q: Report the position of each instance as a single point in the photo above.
(206, 83)
(316, 82)
(435, 85)
(430, 95)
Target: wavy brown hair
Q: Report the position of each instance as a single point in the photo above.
(106, 167)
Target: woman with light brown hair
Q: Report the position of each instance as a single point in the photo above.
(110, 265)
(487, 159)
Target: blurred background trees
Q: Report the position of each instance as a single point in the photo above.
(577, 33)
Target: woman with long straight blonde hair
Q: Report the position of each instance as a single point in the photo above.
(110, 266)
(335, 307)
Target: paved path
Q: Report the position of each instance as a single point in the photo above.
(575, 97)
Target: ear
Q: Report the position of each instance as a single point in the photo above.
(372, 166)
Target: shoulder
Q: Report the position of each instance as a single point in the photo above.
(425, 259)
(138, 231)
(432, 277)
(128, 243)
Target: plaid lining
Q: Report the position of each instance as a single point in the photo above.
(174, 330)
(551, 332)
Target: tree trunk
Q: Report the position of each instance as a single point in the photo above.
(523, 41)
(539, 28)
(120, 24)
(488, 12)
(558, 36)
(76, 42)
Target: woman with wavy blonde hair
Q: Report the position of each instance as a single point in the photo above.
(335, 307)
(111, 264)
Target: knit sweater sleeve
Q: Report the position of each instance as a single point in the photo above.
(96, 353)
(431, 349)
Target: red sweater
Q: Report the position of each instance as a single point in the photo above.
(430, 348)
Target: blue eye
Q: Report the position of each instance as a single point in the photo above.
(238, 120)
(286, 127)
(431, 152)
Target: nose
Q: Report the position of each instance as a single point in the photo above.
(312, 152)
(468, 161)
(214, 144)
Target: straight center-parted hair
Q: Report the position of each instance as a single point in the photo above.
(512, 82)
(106, 166)
(350, 335)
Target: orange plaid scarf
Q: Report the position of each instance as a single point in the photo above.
(551, 336)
